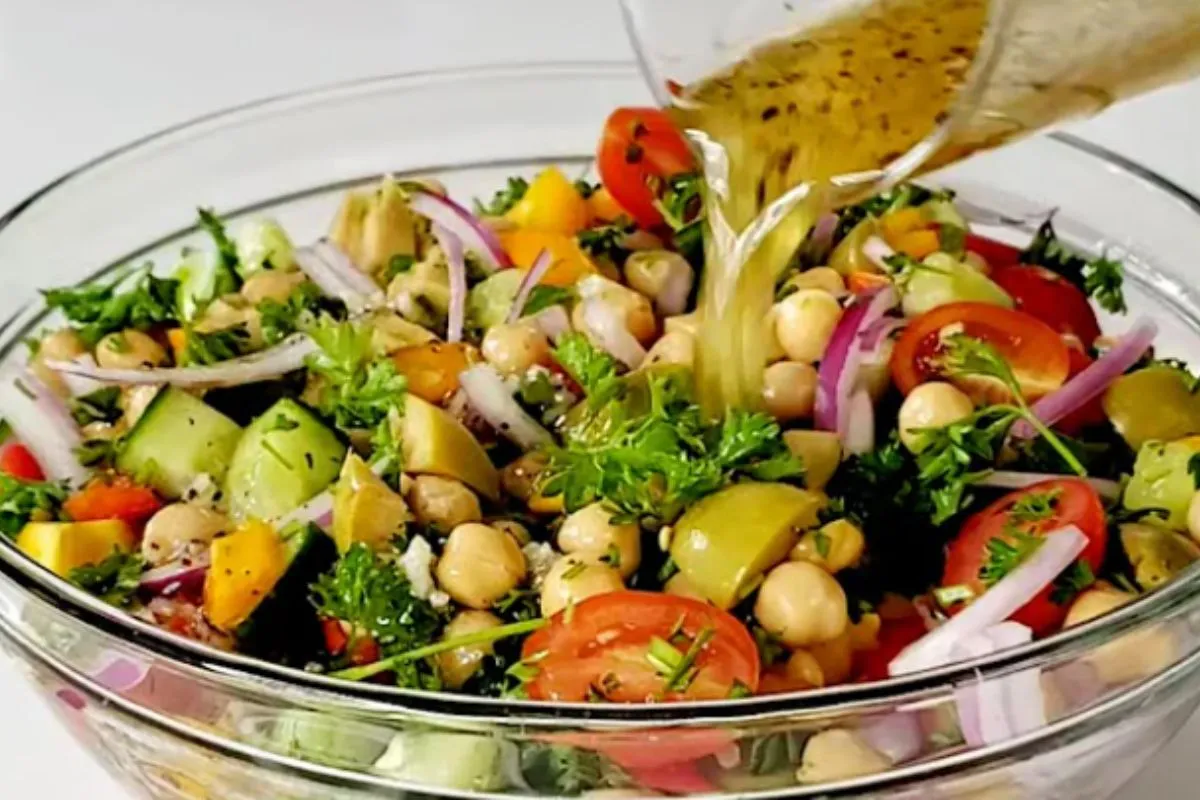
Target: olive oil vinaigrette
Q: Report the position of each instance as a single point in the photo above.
(781, 130)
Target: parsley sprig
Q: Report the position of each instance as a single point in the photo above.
(24, 501)
(114, 580)
(99, 309)
(1102, 278)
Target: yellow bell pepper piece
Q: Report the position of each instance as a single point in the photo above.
(918, 244)
(62, 546)
(523, 246)
(603, 206)
(246, 565)
(365, 509)
(895, 224)
(552, 204)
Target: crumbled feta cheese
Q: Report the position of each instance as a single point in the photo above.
(417, 563)
(539, 556)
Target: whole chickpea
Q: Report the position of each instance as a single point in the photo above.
(630, 306)
(518, 532)
(591, 534)
(838, 754)
(271, 284)
(62, 345)
(443, 503)
(804, 671)
(479, 565)
(458, 665)
(804, 323)
(672, 348)
(179, 529)
(801, 605)
(571, 580)
(663, 275)
(834, 546)
(1132, 655)
(931, 405)
(514, 348)
(826, 279)
(790, 390)
(129, 349)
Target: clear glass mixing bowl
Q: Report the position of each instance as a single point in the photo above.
(177, 720)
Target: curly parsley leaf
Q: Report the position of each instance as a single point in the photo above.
(24, 501)
(302, 308)
(214, 347)
(1006, 554)
(593, 369)
(607, 240)
(359, 390)
(226, 249)
(504, 199)
(100, 309)
(102, 405)
(1101, 278)
(565, 771)
(542, 297)
(114, 580)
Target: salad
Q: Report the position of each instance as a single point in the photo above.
(457, 449)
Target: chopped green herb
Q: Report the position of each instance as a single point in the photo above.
(98, 309)
(216, 346)
(504, 199)
(1079, 576)
(1102, 279)
(1005, 555)
(821, 540)
(102, 405)
(24, 501)
(114, 580)
(301, 310)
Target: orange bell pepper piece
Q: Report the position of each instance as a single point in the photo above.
(551, 203)
(432, 369)
(119, 498)
(523, 246)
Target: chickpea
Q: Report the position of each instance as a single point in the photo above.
(683, 323)
(803, 671)
(179, 529)
(518, 532)
(679, 585)
(826, 279)
(821, 453)
(790, 390)
(804, 323)
(1193, 517)
(135, 400)
(931, 405)
(514, 348)
(629, 305)
(838, 754)
(479, 565)
(271, 284)
(591, 534)
(801, 605)
(571, 580)
(458, 665)
(774, 349)
(833, 547)
(1134, 655)
(672, 348)
(129, 349)
(62, 345)
(663, 275)
(835, 658)
(443, 503)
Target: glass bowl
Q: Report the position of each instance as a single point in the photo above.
(178, 720)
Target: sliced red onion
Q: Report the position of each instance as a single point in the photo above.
(285, 357)
(838, 374)
(878, 252)
(607, 331)
(875, 335)
(77, 385)
(859, 435)
(996, 709)
(478, 238)
(490, 396)
(1093, 380)
(41, 421)
(335, 274)
(897, 735)
(533, 276)
(346, 270)
(554, 322)
(822, 233)
(183, 575)
(1006, 479)
(1057, 552)
(452, 246)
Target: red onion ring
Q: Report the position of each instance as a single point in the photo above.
(456, 265)
(838, 373)
(996, 709)
(490, 396)
(478, 238)
(1093, 380)
(1006, 479)
(287, 356)
(532, 277)
(1057, 552)
(43, 424)
(176, 576)
(608, 332)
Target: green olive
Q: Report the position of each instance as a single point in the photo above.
(1157, 554)
(1153, 403)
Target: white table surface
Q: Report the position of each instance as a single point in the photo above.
(78, 77)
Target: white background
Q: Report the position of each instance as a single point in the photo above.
(78, 77)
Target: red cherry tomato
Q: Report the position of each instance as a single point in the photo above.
(648, 750)
(1051, 298)
(600, 650)
(1092, 412)
(1074, 503)
(997, 254)
(17, 461)
(1034, 351)
(639, 145)
(894, 636)
(119, 498)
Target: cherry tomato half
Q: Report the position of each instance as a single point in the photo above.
(119, 498)
(17, 461)
(997, 254)
(601, 649)
(1074, 502)
(638, 145)
(894, 636)
(1051, 298)
(1034, 351)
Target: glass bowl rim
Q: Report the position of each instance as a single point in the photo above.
(265, 677)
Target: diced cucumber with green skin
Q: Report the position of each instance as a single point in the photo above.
(490, 300)
(176, 440)
(285, 457)
(285, 628)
